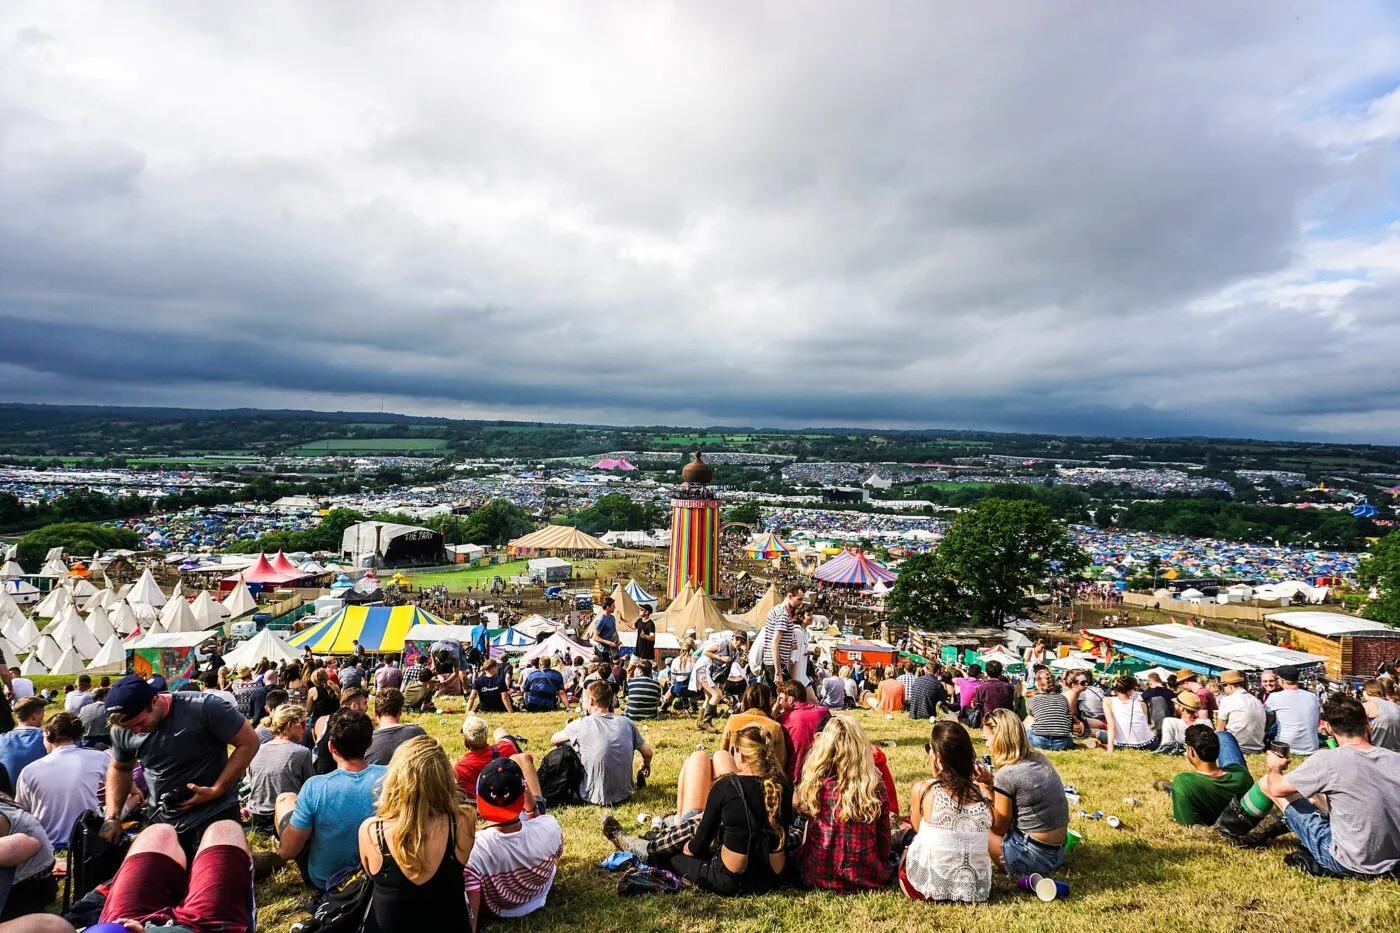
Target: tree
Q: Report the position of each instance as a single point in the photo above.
(495, 523)
(1381, 569)
(983, 568)
(744, 513)
(79, 538)
(615, 512)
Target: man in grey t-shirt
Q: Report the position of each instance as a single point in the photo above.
(389, 733)
(605, 744)
(1360, 833)
(182, 741)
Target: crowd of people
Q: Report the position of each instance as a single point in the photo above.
(319, 758)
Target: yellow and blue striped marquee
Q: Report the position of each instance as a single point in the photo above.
(380, 629)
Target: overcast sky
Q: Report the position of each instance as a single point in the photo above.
(1051, 216)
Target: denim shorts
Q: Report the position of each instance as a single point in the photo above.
(1023, 855)
(1314, 831)
(1061, 743)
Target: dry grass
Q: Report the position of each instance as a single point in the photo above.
(1150, 875)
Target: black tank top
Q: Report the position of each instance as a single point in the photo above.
(398, 904)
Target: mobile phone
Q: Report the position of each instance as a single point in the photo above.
(1281, 749)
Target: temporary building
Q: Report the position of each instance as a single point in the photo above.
(178, 618)
(557, 645)
(388, 544)
(639, 596)
(549, 569)
(123, 619)
(146, 591)
(52, 605)
(207, 612)
(11, 570)
(111, 659)
(699, 613)
(625, 608)
(556, 539)
(69, 663)
(378, 629)
(280, 562)
(608, 463)
(239, 601)
(265, 645)
(100, 624)
(172, 655)
(767, 546)
(758, 612)
(1173, 645)
(853, 568)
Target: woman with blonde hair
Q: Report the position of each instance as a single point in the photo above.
(322, 697)
(1030, 816)
(281, 765)
(738, 846)
(416, 848)
(846, 846)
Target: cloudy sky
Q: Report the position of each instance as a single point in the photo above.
(1059, 216)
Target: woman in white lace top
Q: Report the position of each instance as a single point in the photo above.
(948, 859)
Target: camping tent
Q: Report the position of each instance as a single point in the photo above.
(146, 591)
(111, 659)
(178, 617)
(52, 605)
(11, 570)
(100, 624)
(68, 663)
(513, 641)
(379, 629)
(556, 539)
(682, 597)
(556, 644)
(853, 568)
(72, 630)
(28, 634)
(47, 650)
(625, 609)
(639, 596)
(33, 665)
(123, 619)
(536, 625)
(699, 613)
(54, 568)
(207, 612)
(21, 591)
(239, 601)
(264, 645)
(758, 612)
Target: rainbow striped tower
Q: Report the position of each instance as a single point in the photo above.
(695, 520)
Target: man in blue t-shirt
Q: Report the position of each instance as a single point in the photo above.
(23, 744)
(319, 827)
(544, 688)
(605, 642)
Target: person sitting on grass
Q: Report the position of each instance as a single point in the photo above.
(605, 743)
(417, 846)
(1358, 836)
(1087, 700)
(1030, 817)
(490, 691)
(925, 693)
(22, 744)
(70, 779)
(1240, 713)
(739, 842)
(846, 846)
(153, 886)
(1125, 718)
(275, 698)
(1051, 723)
(281, 766)
(993, 693)
(27, 883)
(481, 751)
(318, 826)
(516, 855)
(948, 859)
(389, 733)
(800, 720)
(758, 711)
(544, 688)
(1383, 714)
(1218, 776)
(643, 692)
(889, 694)
(354, 700)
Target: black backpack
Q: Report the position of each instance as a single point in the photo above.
(92, 860)
(344, 907)
(561, 773)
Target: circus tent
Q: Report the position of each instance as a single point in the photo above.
(853, 568)
(379, 629)
(557, 539)
(767, 546)
(263, 572)
(639, 596)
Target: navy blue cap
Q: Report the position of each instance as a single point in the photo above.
(130, 696)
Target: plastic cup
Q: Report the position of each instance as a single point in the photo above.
(1072, 799)
(1072, 841)
(1114, 822)
(1048, 889)
(643, 818)
(1028, 882)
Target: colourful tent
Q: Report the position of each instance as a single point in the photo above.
(639, 595)
(379, 629)
(767, 546)
(853, 568)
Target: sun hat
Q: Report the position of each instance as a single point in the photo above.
(1185, 674)
(1188, 700)
(1232, 677)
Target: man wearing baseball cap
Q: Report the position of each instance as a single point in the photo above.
(182, 741)
(1296, 712)
(513, 860)
(1240, 713)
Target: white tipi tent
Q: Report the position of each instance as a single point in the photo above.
(177, 617)
(11, 570)
(33, 665)
(100, 624)
(111, 659)
(93, 601)
(55, 568)
(207, 612)
(8, 606)
(71, 629)
(110, 598)
(123, 620)
(52, 605)
(28, 634)
(13, 628)
(178, 591)
(82, 588)
(265, 644)
(47, 650)
(146, 591)
(68, 663)
(239, 601)
(11, 651)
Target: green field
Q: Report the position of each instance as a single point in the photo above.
(1151, 875)
(457, 581)
(370, 446)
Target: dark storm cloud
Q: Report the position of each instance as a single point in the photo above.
(1056, 217)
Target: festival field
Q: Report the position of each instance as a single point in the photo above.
(1149, 875)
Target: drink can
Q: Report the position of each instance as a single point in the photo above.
(1132, 801)
(1083, 813)
(1096, 815)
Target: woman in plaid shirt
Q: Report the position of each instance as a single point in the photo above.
(847, 842)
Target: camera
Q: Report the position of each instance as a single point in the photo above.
(171, 799)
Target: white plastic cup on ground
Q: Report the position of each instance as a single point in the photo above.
(1114, 822)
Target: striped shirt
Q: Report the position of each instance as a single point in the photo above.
(643, 698)
(777, 624)
(1051, 715)
(513, 872)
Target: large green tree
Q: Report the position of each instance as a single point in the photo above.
(615, 512)
(495, 523)
(985, 566)
(81, 539)
(1381, 569)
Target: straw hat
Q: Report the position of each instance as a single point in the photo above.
(1188, 701)
(1236, 678)
(1185, 674)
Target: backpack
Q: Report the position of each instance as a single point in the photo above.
(561, 773)
(344, 907)
(91, 860)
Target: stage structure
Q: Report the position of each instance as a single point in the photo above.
(695, 520)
